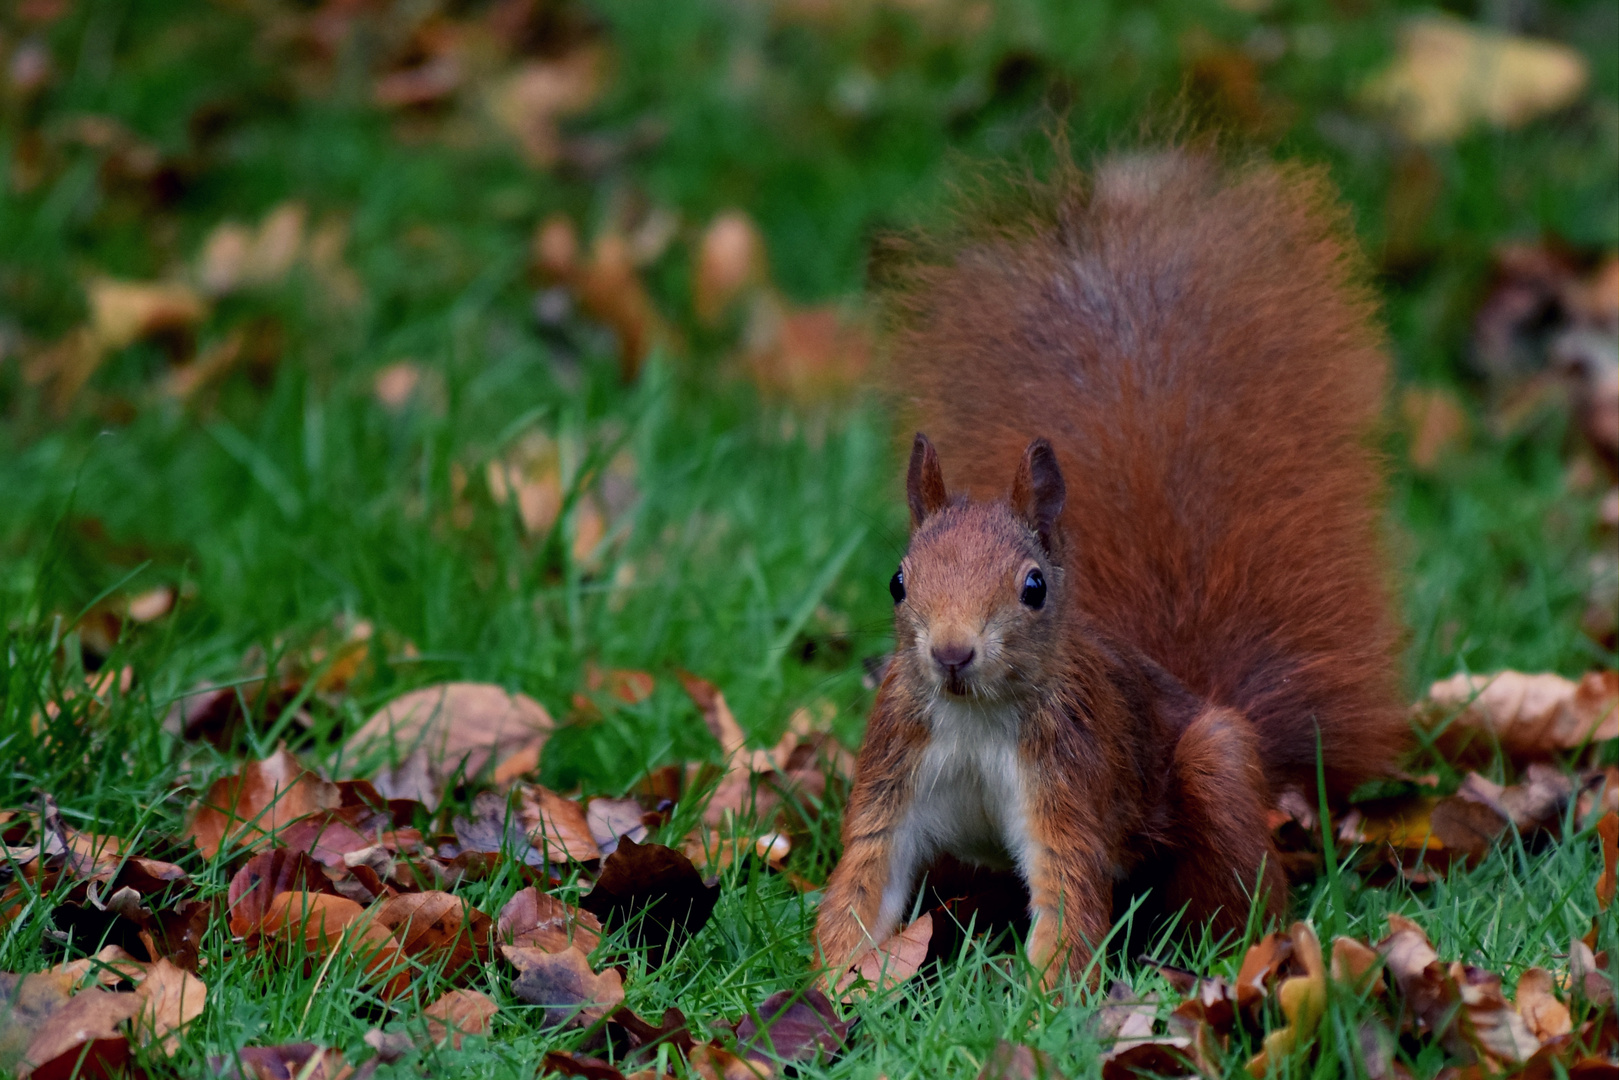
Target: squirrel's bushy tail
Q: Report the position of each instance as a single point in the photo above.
(1197, 346)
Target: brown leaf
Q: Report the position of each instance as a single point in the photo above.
(108, 967)
(292, 1061)
(713, 1062)
(730, 259)
(610, 819)
(792, 1026)
(1498, 1029)
(124, 312)
(1545, 1016)
(1303, 999)
(611, 292)
(1450, 74)
(805, 355)
(1431, 995)
(435, 927)
(536, 919)
(892, 962)
(1532, 716)
(445, 730)
(88, 1027)
(322, 923)
(171, 998)
(656, 891)
(556, 826)
(1536, 802)
(1261, 964)
(458, 1013)
(1434, 422)
(1012, 1062)
(532, 101)
(1608, 830)
(265, 796)
(328, 837)
(26, 1003)
(1356, 965)
(564, 985)
(266, 876)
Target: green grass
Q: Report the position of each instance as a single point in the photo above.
(291, 498)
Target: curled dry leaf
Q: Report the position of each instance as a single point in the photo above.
(1451, 74)
(892, 962)
(450, 729)
(1303, 1000)
(1532, 716)
(1356, 965)
(458, 1013)
(265, 796)
(566, 988)
(1497, 1028)
(534, 919)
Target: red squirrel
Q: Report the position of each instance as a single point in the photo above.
(1145, 584)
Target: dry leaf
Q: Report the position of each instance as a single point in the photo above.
(395, 384)
(108, 967)
(27, 1002)
(1356, 965)
(88, 1028)
(458, 1013)
(171, 998)
(1532, 716)
(1303, 999)
(654, 890)
(436, 928)
(1608, 830)
(564, 985)
(805, 355)
(1017, 1062)
(892, 962)
(1435, 423)
(124, 312)
(531, 102)
(323, 923)
(1497, 1028)
(554, 825)
(265, 796)
(1545, 1016)
(264, 877)
(293, 1061)
(713, 1062)
(792, 1026)
(730, 260)
(1451, 74)
(447, 730)
(236, 257)
(532, 918)
(152, 604)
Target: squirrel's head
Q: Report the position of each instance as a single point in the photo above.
(978, 597)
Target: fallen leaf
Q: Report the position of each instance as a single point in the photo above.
(610, 819)
(610, 291)
(1356, 965)
(537, 919)
(1497, 1028)
(1303, 999)
(458, 1013)
(531, 102)
(1015, 1062)
(235, 257)
(88, 1028)
(792, 1026)
(437, 928)
(555, 825)
(322, 923)
(891, 962)
(292, 1061)
(1431, 996)
(730, 259)
(171, 998)
(248, 807)
(27, 1002)
(124, 312)
(713, 1062)
(1261, 964)
(1434, 422)
(1450, 74)
(152, 604)
(394, 385)
(1531, 716)
(264, 877)
(1544, 1016)
(108, 967)
(447, 730)
(654, 890)
(805, 355)
(570, 993)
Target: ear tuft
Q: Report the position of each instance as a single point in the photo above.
(924, 482)
(1038, 490)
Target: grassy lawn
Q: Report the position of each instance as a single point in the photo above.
(708, 516)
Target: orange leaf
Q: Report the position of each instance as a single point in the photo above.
(262, 798)
(458, 1013)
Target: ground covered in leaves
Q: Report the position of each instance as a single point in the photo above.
(447, 518)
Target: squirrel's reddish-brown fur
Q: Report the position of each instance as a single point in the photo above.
(1202, 356)
(1194, 343)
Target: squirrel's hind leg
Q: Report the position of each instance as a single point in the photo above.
(1227, 863)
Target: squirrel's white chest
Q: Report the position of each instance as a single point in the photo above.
(970, 790)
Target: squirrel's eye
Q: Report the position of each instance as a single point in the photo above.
(896, 586)
(1034, 589)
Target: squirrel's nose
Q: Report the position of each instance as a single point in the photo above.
(953, 657)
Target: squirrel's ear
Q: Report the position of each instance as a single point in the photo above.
(1038, 490)
(924, 482)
